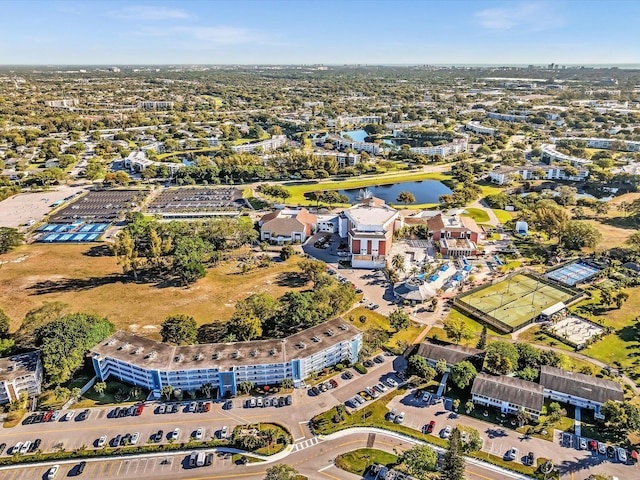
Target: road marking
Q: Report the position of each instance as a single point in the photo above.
(351, 442)
(478, 475)
(302, 429)
(328, 474)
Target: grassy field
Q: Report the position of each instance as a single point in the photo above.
(503, 216)
(379, 321)
(358, 461)
(88, 281)
(479, 215)
(298, 189)
(164, 156)
(516, 300)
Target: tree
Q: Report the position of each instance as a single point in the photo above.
(550, 219)
(469, 406)
(245, 325)
(397, 262)
(456, 404)
(482, 341)
(453, 462)
(501, 358)
(286, 383)
(418, 365)
(9, 239)
(457, 330)
(633, 241)
(126, 253)
(166, 391)
(65, 342)
(206, 389)
(179, 329)
(419, 461)
(620, 298)
(5, 323)
(189, 258)
(100, 388)
(601, 208)
(245, 387)
(441, 366)
(472, 439)
(399, 320)
(578, 234)
(312, 269)
(463, 373)
(282, 471)
(406, 198)
(287, 252)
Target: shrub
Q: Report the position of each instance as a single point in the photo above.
(360, 368)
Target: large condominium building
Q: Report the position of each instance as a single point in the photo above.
(359, 120)
(533, 172)
(344, 159)
(507, 117)
(64, 103)
(150, 364)
(480, 129)
(137, 162)
(20, 373)
(550, 154)
(605, 143)
(150, 105)
(369, 227)
(268, 145)
(343, 143)
(458, 145)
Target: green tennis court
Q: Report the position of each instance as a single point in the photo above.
(515, 300)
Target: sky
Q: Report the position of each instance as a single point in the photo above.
(103, 32)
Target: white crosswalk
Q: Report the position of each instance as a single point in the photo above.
(310, 442)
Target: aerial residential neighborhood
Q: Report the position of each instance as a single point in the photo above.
(284, 241)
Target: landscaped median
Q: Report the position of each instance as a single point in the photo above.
(257, 440)
(373, 416)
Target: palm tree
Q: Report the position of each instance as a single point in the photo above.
(397, 262)
(414, 271)
(406, 198)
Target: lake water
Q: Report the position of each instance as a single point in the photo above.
(425, 191)
(356, 135)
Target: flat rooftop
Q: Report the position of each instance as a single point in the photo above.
(150, 354)
(370, 215)
(16, 366)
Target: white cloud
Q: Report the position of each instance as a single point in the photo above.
(218, 35)
(153, 13)
(527, 16)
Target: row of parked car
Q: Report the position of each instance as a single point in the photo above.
(261, 402)
(604, 449)
(323, 387)
(371, 393)
(22, 448)
(55, 416)
(132, 411)
(194, 407)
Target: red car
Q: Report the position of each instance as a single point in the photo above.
(333, 383)
(47, 416)
(431, 426)
(138, 410)
(207, 406)
(593, 445)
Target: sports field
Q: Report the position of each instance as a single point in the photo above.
(515, 300)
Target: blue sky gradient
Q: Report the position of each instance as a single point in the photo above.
(320, 31)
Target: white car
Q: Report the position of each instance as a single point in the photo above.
(446, 432)
(102, 441)
(16, 448)
(223, 432)
(512, 454)
(55, 416)
(622, 455)
(380, 387)
(135, 437)
(259, 402)
(392, 383)
(199, 433)
(69, 415)
(176, 433)
(583, 443)
(25, 447)
(399, 418)
(51, 474)
(426, 397)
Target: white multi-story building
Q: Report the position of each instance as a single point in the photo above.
(137, 162)
(550, 154)
(507, 117)
(150, 364)
(531, 172)
(359, 120)
(458, 145)
(343, 143)
(150, 105)
(481, 129)
(604, 143)
(344, 159)
(64, 103)
(268, 145)
(20, 373)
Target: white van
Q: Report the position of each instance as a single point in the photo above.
(200, 459)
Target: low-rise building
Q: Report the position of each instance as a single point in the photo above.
(476, 127)
(452, 354)
(505, 175)
(151, 105)
(268, 145)
(509, 394)
(605, 143)
(138, 162)
(550, 154)
(287, 226)
(152, 365)
(458, 145)
(458, 235)
(345, 144)
(507, 117)
(344, 159)
(369, 228)
(20, 373)
(580, 390)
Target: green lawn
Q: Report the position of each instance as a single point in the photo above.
(503, 216)
(91, 398)
(379, 321)
(479, 215)
(358, 461)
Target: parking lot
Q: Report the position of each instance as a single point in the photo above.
(103, 206)
(201, 199)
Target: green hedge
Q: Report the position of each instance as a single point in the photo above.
(358, 367)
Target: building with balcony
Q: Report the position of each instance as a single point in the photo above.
(536, 172)
(550, 154)
(458, 145)
(458, 235)
(369, 231)
(268, 145)
(287, 226)
(147, 363)
(20, 373)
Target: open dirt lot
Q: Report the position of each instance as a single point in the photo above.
(89, 281)
(21, 208)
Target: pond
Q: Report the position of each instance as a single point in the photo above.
(425, 191)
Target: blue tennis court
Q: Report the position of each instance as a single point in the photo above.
(92, 236)
(72, 232)
(78, 237)
(573, 273)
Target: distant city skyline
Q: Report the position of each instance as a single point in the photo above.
(322, 31)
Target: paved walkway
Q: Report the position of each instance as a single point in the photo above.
(443, 384)
(578, 424)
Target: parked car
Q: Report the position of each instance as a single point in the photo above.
(426, 397)
(593, 445)
(259, 402)
(47, 416)
(512, 454)
(430, 426)
(192, 459)
(102, 441)
(209, 460)
(622, 455)
(252, 402)
(223, 432)
(83, 415)
(134, 438)
(289, 400)
(35, 445)
(207, 406)
(582, 443)
(611, 451)
(69, 415)
(531, 458)
(131, 410)
(315, 390)
(199, 433)
(392, 383)
(24, 449)
(281, 402)
(159, 435)
(176, 433)
(53, 471)
(333, 383)
(193, 407)
(267, 402)
(80, 468)
(399, 418)
(55, 416)
(347, 375)
(116, 441)
(2, 447)
(29, 420)
(139, 410)
(380, 387)
(391, 416)
(228, 405)
(364, 394)
(446, 432)
(368, 363)
(359, 399)
(16, 448)
(602, 448)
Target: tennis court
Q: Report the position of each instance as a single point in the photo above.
(514, 301)
(573, 273)
(71, 232)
